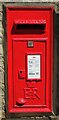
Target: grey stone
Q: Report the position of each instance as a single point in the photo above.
(2, 114)
(1, 49)
(27, 118)
(21, 118)
(53, 117)
(0, 5)
(28, 1)
(1, 24)
(58, 117)
(42, 118)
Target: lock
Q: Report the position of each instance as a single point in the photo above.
(21, 74)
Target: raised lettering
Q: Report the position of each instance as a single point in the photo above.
(31, 93)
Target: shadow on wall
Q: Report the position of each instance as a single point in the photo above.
(57, 38)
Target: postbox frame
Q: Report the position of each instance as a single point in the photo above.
(29, 6)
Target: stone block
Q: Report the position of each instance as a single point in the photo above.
(42, 118)
(53, 117)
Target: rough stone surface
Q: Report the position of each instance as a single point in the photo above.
(42, 118)
(29, 0)
(53, 118)
(1, 68)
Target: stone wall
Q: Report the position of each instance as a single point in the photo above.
(1, 67)
(2, 104)
(29, 0)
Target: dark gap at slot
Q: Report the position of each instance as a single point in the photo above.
(28, 29)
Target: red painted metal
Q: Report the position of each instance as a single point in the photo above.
(27, 94)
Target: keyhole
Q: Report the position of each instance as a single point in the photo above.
(21, 72)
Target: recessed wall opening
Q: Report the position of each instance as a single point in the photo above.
(28, 29)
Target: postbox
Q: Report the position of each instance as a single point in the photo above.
(29, 57)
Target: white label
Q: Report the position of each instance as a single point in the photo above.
(33, 66)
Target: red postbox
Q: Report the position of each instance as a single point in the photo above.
(30, 59)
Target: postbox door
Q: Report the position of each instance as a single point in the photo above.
(29, 73)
